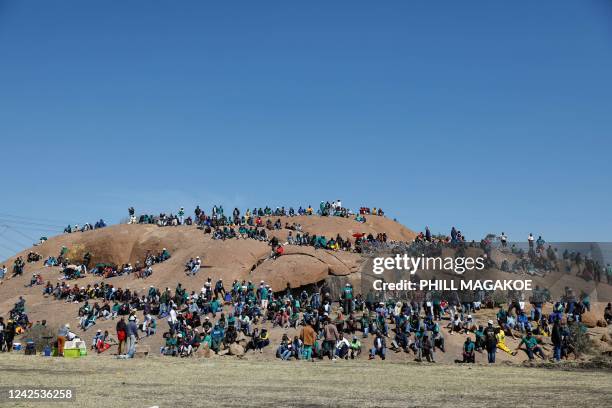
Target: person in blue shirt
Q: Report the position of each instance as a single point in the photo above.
(469, 355)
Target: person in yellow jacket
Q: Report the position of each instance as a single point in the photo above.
(501, 341)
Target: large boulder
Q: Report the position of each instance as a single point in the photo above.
(589, 319)
(236, 349)
(301, 266)
(204, 351)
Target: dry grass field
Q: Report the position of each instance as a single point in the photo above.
(219, 382)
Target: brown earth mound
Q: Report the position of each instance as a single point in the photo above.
(229, 259)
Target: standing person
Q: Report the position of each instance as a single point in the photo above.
(504, 240)
(173, 318)
(121, 335)
(530, 240)
(355, 347)
(132, 214)
(490, 342)
(62, 334)
(3, 272)
(181, 215)
(132, 336)
(347, 296)
(308, 337)
(9, 334)
(331, 337)
(556, 337)
(2, 328)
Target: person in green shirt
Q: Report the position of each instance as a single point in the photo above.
(355, 347)
(468, 351)
(170, 347)
(365, 323)
(531, 346)
(214, 306)
(347, 297)
(479, 343)
(115, 310)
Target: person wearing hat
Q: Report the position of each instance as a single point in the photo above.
(132, 335)
(264, 295)
(197, 263)
(490, 340)
(165, 255)
(96, 339)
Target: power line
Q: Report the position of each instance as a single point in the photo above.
(32, 218)
(12, 250)
(20, 233)
(38, 229)
(20, 222)
(13, 241)
(9, 240)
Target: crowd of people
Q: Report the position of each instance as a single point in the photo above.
(86, 227)
(219, 316)
(250, 217)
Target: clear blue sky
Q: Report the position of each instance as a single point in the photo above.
(488, 116)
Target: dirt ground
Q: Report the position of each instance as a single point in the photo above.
(220, 381)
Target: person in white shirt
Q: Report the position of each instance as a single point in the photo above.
(196, 266)
(172, 320)
(343, 347)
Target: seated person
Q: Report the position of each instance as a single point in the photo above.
(342, 347)
(468, 351)
(531, 346)
(379, 348)
(355, 347)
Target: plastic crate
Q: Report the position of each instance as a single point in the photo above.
(72, 352)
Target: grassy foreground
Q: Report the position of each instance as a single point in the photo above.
(217, 382)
